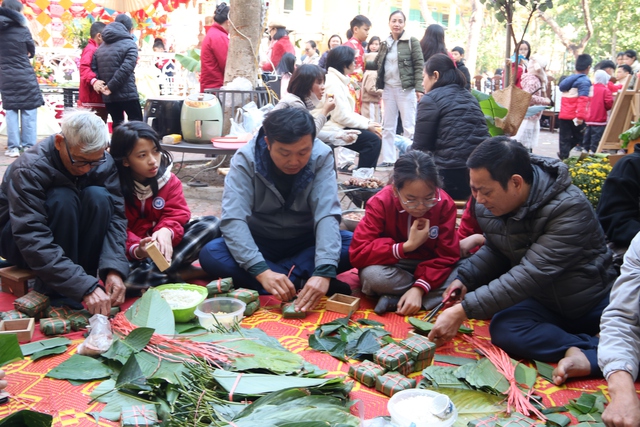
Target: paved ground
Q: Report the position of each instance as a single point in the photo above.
(207, 200)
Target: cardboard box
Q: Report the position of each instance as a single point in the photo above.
(345, 304)
(157, 257)
(23, 328)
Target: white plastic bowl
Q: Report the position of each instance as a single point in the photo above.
(226, 311)
(405, 419)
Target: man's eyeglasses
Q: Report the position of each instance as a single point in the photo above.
(428, 203)
(81, 164)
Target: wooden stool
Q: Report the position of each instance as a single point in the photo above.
(15, 280)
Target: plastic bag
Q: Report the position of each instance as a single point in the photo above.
(100, 338)
(248, 119)
(363, 173)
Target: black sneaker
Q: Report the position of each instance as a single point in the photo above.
(338, 287)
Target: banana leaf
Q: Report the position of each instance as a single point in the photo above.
(344, 342)
(27, 418)
(557, 420)
(587, 403)
(289, 407)
(472, 404)
(261, 357)
(453, 360)
(491, 110)
(369, 322)
(131, 376)
(260, 384)
(545, 370)
(106, 392)
(122, 348)
(32, 347)
(80, 368)
(190, 61)
(48, 352)
(424, 328)
(9, 349)
(152, 311)
(156, 369)
(441, 377)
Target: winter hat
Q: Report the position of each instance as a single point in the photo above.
(602, 77)
(125, 20)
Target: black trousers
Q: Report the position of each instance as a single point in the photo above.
(78, 223)
(592, 137)
(570, 136)
(456, 183)
(117, 110)
(368, 146)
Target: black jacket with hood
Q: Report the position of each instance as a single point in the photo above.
(115, 62)
(449, 124)
(18, 83)
(22, 200)
(552, 249)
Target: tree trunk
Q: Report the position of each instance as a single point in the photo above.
(473, 40)
(575, 48)
(244, 40)
(426, 13)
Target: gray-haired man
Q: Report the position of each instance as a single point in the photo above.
(62, 216)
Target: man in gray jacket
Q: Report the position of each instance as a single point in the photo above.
(619, 349)
(545, 271)
(281, 215)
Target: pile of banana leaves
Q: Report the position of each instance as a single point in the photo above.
(266, 385)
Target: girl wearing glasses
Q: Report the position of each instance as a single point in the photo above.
(156, 210)
(406, 244)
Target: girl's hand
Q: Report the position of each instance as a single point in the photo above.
(469, 243)
(163, 237)
(141, 250)
(411, 302)
(329, 105)
(418, 234)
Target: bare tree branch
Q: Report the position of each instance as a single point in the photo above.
(575, 48)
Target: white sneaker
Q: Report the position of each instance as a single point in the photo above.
(12, 152)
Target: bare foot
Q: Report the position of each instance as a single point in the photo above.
(574, 364)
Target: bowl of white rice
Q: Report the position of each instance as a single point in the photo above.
(424, 408)
(183, 299)
(220, 312)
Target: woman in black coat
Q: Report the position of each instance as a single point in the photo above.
(19, 87)
(449, 123)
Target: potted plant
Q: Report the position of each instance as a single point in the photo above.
(588, 173)
(631, 135)
(78, 31)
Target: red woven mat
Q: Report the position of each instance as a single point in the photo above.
(69, 404)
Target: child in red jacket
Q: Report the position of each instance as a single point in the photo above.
(406, 244)
(599, 104)
(156, 208)
(87, 96)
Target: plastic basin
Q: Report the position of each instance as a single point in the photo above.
(351, 224)
(182, 315)
(226, 311)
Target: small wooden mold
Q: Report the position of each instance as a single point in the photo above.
(344, 304)
(16, 280)
(23, 328)
(156, 256)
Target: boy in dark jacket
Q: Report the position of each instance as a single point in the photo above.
(457, 53)
(599, 104)
(574, 107)
(114, 64)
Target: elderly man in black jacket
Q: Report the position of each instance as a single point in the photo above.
(545, 271)
(62, 216)
(114, 64)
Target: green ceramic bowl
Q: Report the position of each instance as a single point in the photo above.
(182, 315)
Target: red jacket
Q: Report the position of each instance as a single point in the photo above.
(87, 96)
(575, 97)
(357, 46)
(380, 236)
(599, 104)
(167, 210)
(278, 49)
(213, 57)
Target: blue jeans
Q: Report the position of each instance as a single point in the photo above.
(280, 256)
(532, 331)
(22, 128)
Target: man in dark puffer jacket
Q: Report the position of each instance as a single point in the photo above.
(114, 63)
(21, 94)
(545, 271)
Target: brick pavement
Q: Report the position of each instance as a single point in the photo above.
(207, 200)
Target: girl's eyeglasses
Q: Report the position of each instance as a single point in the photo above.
(428, 203)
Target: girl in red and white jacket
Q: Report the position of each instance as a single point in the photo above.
(406, 244)
(600, 102)
(155, 207)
